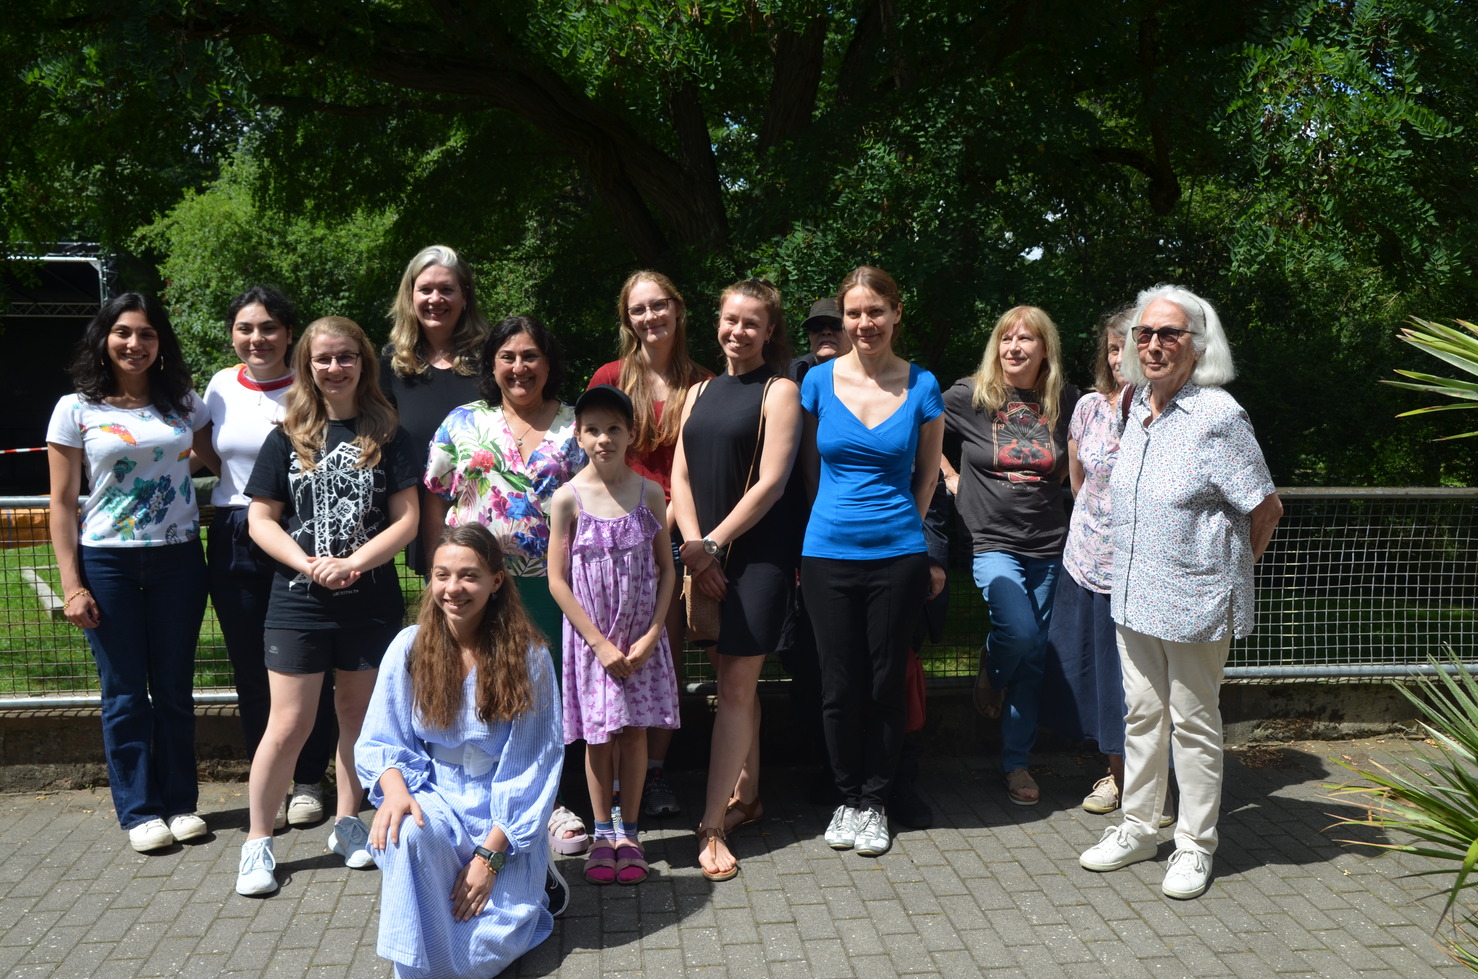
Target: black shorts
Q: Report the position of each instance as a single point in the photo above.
(321, 650)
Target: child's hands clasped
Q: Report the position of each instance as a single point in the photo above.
(616, 663)
(332, 572)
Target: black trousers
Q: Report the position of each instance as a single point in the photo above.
(864, 614)
(240, 578)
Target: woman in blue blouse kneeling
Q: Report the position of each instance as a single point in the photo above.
(461, 748)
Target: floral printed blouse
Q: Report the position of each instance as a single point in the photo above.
(1089, 554)
(474, 462)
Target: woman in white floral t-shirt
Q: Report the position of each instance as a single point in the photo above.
(132, 570)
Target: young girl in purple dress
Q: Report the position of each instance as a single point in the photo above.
(611, 571)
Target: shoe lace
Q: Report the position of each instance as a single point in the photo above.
(256, 858)
(1180, 858)
(868, 825)
(351, 833)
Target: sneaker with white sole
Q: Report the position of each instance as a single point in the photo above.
(150, 836)
(658, 799)
(1115, 849)
(841, 832)
(254, 875)
(350, 840)
(187, 826)
(556, 891)
(1104, 798)
(872, 839)
(305, 804)
(1188, 875)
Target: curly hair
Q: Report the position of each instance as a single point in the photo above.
(682, 371)
(278, 306)
(411, 352)
(305, 418)
(92, 371)
(500, 651)
(990, 384)
(507, 329)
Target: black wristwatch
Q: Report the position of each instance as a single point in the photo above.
(495, 859)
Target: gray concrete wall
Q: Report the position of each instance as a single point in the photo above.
(46, 749)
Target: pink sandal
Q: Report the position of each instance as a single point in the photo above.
(631, 864)
(600, 863)
(562, 821)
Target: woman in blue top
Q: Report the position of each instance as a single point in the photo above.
(877, 423)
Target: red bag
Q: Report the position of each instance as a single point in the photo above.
(913, 692)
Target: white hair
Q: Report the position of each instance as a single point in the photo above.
(1213, 354)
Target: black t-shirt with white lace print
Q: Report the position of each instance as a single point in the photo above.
(331, 511)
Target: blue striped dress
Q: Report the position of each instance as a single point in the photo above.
(505, 774)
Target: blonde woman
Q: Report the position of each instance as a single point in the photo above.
(430, 365)
(1008, 428)
(333, 497)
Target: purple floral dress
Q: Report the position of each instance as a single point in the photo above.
(613, 574)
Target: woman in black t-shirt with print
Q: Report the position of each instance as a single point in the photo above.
(333, 498)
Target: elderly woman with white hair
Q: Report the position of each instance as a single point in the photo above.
(1193, 507)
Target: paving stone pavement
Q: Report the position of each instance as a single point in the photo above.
(992, 890)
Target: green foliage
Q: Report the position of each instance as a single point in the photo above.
(1452, 346)
(1436, 805)
(1309, 167)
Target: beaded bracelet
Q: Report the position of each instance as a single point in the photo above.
(68, 602)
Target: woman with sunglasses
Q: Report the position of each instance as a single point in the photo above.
(1007, 425)
(1194, 507)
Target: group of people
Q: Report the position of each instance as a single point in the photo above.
(565, 548)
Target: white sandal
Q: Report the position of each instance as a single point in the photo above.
(562, 821)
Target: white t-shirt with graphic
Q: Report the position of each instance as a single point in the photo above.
(138, 470)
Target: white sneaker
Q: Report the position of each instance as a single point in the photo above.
(279, 821)
(1188, 875)
(187, 826)
(1104, 798)
(350, 840)
(254, 875)
(841, 832)
(1116, 849)
(872, 839)
(305, 805)
(150, 836)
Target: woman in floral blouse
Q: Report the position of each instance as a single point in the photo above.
(498, 461)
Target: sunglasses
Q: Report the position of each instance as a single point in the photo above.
(1169, 336)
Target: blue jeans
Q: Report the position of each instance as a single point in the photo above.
(150, 603)
(1019, 592)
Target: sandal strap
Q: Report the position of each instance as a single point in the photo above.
(563, 820)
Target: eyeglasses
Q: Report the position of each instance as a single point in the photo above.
(1169, 336)
(343, 360)
(657, 306)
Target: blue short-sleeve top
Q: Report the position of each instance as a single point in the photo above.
(865, 506)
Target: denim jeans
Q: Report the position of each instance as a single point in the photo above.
(150, 603)
(1019, 591)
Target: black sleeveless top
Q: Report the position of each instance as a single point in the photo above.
(719, 442)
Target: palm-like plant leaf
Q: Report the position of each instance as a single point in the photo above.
(1436, 806)
(1458, 347)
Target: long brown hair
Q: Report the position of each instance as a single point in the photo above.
(990, 383)
(411, 350)
(305, 418)
(500, 648)
(682, 371)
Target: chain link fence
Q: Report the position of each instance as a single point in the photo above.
(1357, 582)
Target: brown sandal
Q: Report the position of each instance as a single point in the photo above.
(1021, 788)
(712, 835)
(988, 700)
(750, 814)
